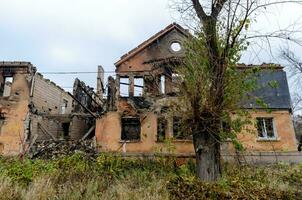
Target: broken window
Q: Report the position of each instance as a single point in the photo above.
(150, 85)
(162, 84)
(124, 87)
(64, 106)
(178, 131)
(1, 148)
(138, 87)
(265, 128)
(6, 87)
(131, 128)
(161, 129)
(65, 127)
(2, 119)
(176, 78)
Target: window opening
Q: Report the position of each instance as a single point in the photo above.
(162, 84)
(138, 87)
(177, 132)
(265, 128)
(65, 127)
(6, 89)
(2, 119)
(175, 46)
(64, 106)
(161, 129)
(124, 87)
(1, 148)
(131, 128)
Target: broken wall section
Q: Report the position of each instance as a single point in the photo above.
(14, 101)
(48, 98)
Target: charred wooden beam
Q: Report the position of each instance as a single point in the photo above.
(89, 111)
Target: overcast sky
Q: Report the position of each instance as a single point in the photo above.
(79, 35)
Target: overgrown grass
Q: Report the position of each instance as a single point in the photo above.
(112, 177)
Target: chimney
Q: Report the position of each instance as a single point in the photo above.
(100, 82)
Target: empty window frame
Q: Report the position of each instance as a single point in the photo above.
(7, 86)
(2, 119)
(124, 86)
(265, 128)
(64, 106)
(177, 129)
(1, 148)
(162, 84)
(161, 129)
(138, 86)
(176, 78)
(65, 127)
(131, 129)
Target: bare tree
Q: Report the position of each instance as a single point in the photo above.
(211, 85)
(295, 68)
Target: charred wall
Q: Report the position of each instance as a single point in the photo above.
(14, 106)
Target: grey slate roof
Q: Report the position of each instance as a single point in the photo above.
(277, 97)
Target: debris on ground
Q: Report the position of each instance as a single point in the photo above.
(51, 149)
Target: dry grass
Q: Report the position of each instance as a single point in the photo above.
(108, 177)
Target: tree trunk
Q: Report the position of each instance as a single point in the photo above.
(207, 150)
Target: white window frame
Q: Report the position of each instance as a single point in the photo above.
(264, 128)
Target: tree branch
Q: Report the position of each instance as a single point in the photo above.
(217, 8)
(199, 10)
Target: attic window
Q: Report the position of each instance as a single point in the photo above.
(175, 46)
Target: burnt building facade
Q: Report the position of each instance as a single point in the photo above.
(138, 99)
(34, 109)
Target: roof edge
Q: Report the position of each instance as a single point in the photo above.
(144, 44)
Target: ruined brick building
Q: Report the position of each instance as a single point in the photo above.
(137, 122)
(133, 118)
(33, 109)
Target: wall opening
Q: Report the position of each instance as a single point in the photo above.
(124, 86)
(1, 148)
(161, 129)
(131, 128)
(162, 84)
(175, 46)
(138, 86)
(2, 119)
(64, 106)
(65, 127)
(265, 128)
(7, 86)
(178, 132)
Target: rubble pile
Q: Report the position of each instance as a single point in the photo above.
(53, 149)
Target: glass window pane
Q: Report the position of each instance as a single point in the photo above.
(260, 126)
(269, 127)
